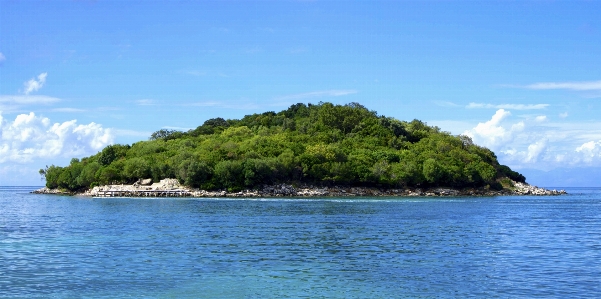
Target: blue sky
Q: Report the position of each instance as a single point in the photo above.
(521, 78)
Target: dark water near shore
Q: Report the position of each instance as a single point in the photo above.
(73, 247)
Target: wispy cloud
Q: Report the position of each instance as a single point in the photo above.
(108, 108)
(446, 104)
(298, 50)
(27, 99)
(221, 29)
(253, 50)
(266, 29)
(2, 57)
(146, 102)
(25, 103)
(584, 85)
(34, 85)
(226, 105)
(507, 106)
(195, 73)
(206, 104)
(68, 110)
(317, 94)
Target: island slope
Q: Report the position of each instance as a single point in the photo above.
(317, 144)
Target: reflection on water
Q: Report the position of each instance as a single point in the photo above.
(53, 246)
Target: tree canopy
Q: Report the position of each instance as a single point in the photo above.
(323, 144)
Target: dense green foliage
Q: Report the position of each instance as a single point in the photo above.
(319, 144)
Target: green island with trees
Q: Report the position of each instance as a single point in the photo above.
(321, 144)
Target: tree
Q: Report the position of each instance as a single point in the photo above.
(51, 174)
(229, 174)
(87, 176)
(259, 171)
(194, 173)
(112, 153)
(166, 134)
(137, 168)
(432, 171)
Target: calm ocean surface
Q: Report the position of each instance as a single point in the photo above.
(487, 247)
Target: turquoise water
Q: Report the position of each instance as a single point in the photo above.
(74, 247)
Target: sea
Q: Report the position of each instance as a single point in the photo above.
(420, 247)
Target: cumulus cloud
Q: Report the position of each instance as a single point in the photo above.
(585, 85)
(492, 133)
(29, 137)
(34, 85)
(507, 106)
(534, 150)
(539, 143)
(590, 151)
(511, 140)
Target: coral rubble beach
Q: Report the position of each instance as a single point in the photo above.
(172, 188)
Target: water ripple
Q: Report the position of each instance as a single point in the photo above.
(65, 247)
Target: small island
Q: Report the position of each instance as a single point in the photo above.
(307, 150)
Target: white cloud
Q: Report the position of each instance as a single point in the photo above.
(2, 57)
(563, 115)
(585, 85)
(317, 94)
(29, 137)
(538, 142)
(507, 106)
(510, 140)
(491, 133)
(34, 85)
(590, 151)
(534, 150)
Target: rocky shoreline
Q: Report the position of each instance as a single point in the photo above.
(172, 188)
